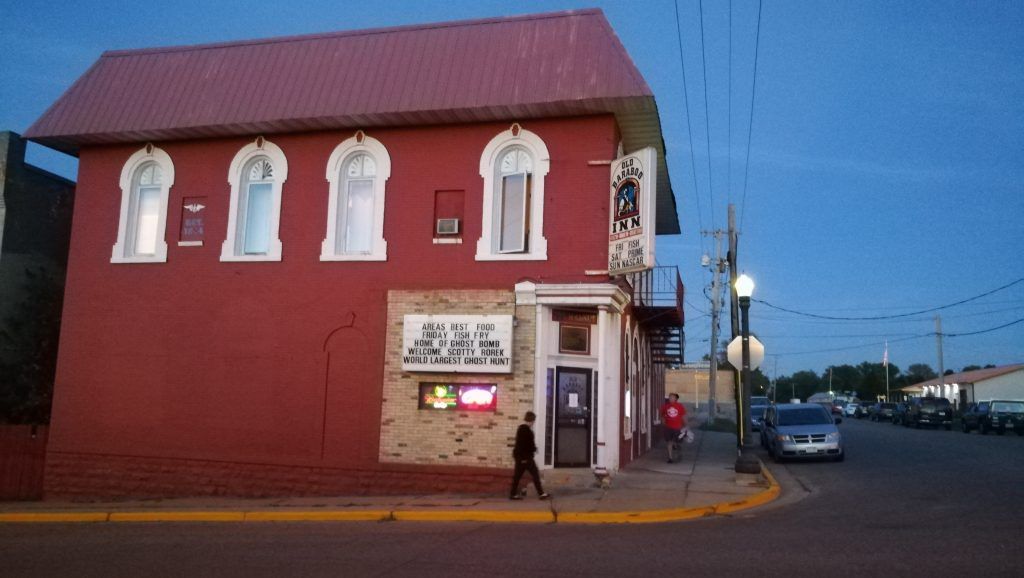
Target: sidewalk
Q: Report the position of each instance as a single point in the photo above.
(700, 483)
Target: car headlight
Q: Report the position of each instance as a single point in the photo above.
(784, 438)
(833, 437)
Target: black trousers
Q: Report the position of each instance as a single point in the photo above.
(527, 465)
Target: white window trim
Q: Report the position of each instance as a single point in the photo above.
(342, 153)
(147, 154)
(627, 386)
(538, 245)
(257, 148)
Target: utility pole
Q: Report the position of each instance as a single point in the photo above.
(938, 341)
(734, 305)
(717, 268)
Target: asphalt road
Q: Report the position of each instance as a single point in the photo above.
(905, 503)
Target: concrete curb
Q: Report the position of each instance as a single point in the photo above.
(500, 516)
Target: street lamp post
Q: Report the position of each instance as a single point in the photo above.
(744, 289)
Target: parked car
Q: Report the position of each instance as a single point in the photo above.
(851, 409)
(997, 415)
(883, 411)
(936, 411)
(899, 413)
(758, 405)
(837, 408)
(863, 409)
(802, 430)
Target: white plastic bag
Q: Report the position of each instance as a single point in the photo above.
(686, 435)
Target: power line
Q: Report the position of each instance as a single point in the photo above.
(750, 128)
(707, 116)
(689, 129)
(989, 330)
(881, 317)
(852, 347)
(728, 175)
(875, 343)
(896, 307)
(833, 336)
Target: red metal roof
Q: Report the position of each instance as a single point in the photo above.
(558, 64)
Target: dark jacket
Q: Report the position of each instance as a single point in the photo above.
(525, 445)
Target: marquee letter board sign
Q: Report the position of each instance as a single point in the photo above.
(457, 343)
(631, 234)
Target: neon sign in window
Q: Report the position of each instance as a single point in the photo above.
(457, 396)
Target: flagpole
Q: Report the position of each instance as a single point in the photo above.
(885, 365)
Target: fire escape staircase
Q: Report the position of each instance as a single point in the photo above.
(658, 304)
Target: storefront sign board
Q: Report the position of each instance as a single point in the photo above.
(457, 343)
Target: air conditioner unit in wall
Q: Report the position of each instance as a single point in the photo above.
(447, 226)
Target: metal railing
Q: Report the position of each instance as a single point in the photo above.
(658, 302)
(658, 287)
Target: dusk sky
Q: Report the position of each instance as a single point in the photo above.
(885, 164)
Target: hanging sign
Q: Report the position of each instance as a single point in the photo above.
(631, 234)
(457, 343)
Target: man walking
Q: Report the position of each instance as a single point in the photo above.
(522, 454)
(673, 417)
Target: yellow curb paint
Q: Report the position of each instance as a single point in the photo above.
(318, 516)
(177, 517)
(644, 517)
(54, 517)
(472, 516)
(758, 499)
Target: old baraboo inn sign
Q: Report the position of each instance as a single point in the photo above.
(631, 235)
(457, 343)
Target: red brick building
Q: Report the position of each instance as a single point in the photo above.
(350, 262)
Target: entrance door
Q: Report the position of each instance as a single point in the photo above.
(572, 417)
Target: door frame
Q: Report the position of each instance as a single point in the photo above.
(589, 373)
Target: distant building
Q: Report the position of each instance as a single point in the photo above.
(692, 382)
(1004, 382)
(35, 225)
(351, 262)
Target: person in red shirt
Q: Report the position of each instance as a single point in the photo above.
(673, 417)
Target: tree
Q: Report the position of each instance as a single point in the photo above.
(971, 368)
(844, 378)
(918, 372)
(873, 376)
(759, 382)
(801, 385)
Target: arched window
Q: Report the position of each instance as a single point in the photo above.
(146, 180)
(637, 385)
(627, 398)
(257, 174)
(513, 166)
(254, 207)
(357, 172)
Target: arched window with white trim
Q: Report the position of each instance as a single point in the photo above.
(627, 397)
(256, 176)
(146, 180)
(513, 166)
(357, 172)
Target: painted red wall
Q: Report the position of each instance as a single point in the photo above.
(222, 361)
